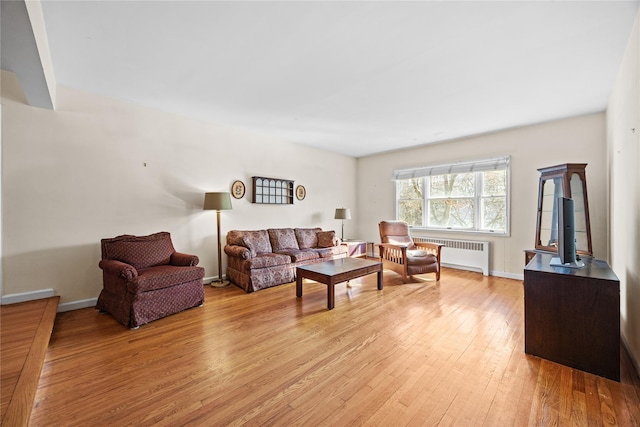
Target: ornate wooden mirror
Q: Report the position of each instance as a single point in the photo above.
(567, 180)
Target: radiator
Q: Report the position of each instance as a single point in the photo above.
(464, 254)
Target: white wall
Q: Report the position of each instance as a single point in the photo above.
(73, 176)
(574, 140)
(623, 141)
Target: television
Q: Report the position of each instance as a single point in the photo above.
(566, 236)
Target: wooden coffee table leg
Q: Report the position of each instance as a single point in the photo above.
(299, 285)
(331, 294)
(380, 280)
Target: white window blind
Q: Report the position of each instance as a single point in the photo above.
(496, 163)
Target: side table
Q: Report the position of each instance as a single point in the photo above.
(356, 248)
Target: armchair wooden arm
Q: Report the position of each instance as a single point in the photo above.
(434, 248)
(393, 253)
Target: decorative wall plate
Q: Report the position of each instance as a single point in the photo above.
(237, 189)
(301, 192)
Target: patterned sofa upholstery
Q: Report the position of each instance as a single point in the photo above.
(144, 279)
(264, 258)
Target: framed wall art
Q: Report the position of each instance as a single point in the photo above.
(301, 192)
(237, 189)
(272, 191)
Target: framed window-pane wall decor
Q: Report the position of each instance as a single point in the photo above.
(273, 191)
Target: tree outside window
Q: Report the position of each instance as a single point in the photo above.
(467, 201)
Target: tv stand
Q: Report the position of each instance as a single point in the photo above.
(556, 262)
(572, 315)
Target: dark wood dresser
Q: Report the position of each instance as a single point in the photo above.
(572, 316)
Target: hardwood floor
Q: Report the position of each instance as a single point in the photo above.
(425, 353)
(24, 336)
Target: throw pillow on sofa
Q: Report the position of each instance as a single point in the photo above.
(257, 242)
(307, 237)
(282, 239)
(326, 239)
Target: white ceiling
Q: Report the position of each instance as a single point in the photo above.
(352, 77)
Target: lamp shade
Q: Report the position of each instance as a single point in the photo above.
(217, 201)
(343, 213)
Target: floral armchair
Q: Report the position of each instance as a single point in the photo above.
(145, 279)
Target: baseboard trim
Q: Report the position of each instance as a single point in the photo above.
(491, 272)
(77, 305)
(27, 296)
(634, 362)
(507, 275)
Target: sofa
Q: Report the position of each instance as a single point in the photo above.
(261, 259)
(144, 279)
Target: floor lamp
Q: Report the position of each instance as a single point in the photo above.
(218, 202)
(343, 213)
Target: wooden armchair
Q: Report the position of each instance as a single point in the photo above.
(401, 254)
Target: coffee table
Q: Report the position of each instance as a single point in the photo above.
(337, 271)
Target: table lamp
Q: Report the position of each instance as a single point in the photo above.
(343, 213)
(218, 202)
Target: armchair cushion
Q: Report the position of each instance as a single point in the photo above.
(163, 276)
(139, 252)
(420, 257)
(417, 253)
(400, 241)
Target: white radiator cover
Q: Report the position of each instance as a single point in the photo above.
(464, 254)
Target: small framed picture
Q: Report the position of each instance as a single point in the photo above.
(301, 192)
(237, 189)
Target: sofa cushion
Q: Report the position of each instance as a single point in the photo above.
(326, 239)
(267, 260)
(307, 237)
(257, 242)
(282, 239)
(298, 255)
(331, 252)
(165, 276)
(139, 251)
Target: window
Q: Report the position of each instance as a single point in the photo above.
(470, 196)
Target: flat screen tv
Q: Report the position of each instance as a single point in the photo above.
(566, 236)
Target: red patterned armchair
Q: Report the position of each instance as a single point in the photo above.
(401, 254)
(145, 279)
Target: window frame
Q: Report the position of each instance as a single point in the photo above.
(479, 167)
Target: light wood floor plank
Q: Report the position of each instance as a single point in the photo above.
(26, 331)
(421, 353)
